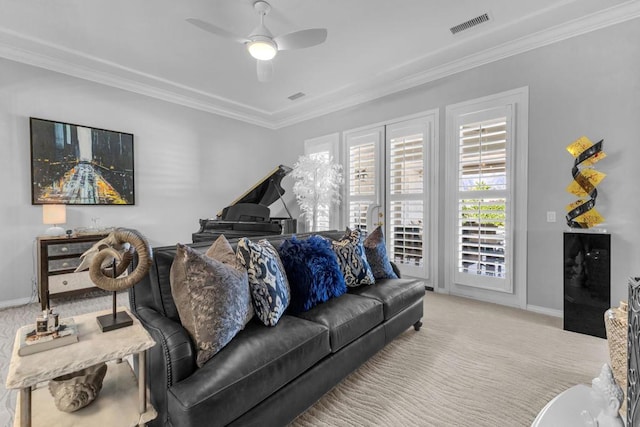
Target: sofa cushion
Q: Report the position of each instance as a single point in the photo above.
(258, 362)
(348, 317)
(376, 251)
(394, 294)
(267, 279)
(212, 299)
(312, 271)
(352, 259)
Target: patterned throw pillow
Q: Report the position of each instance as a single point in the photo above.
(352, 259)
(377, 256)
(211, 298)
(313, 272)
(267, 279)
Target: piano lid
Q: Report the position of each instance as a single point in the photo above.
(265, 191)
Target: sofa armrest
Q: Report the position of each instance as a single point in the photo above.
(396, 269)
(171, 360)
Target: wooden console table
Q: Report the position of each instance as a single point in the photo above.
(116, 404)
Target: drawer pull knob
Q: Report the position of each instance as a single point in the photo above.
(65, 264)
(65, 283)
(64, 249)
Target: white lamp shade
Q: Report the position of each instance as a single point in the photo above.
(54, 214)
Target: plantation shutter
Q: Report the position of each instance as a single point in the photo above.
(406, 216)
(484, 220)
(362, 177)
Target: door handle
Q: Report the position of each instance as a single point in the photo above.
(374, 220)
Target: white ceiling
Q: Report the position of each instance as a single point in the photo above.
(373, 48)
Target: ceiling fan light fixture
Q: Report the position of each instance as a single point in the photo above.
(263, 49)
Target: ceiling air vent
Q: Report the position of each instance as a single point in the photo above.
(296, 96)
(470, 23)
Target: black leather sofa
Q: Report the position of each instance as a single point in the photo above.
(265, 376)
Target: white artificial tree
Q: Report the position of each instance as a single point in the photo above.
(318, 181)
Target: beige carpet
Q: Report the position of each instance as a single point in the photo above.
(472, 364)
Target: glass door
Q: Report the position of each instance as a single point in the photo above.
(390, 181)
(363, 179)
(407, 177)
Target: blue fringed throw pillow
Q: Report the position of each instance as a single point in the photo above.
(377, 256)
(313, 272)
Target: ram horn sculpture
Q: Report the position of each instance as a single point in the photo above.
(120, 244)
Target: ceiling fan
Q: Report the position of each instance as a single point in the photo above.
(261, 44)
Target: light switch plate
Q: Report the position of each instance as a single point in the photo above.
(551, 216)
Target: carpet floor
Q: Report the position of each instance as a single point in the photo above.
(472, 364)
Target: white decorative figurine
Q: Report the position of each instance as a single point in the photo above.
(605, 389)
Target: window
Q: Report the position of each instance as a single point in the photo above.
(324, 147)
(482, 197)
(486, 217)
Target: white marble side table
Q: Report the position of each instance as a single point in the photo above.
(116, 403)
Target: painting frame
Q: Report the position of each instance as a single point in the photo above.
(75, 164)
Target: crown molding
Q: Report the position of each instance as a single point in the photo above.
(20, 48)
(28, 50)
(332, 103)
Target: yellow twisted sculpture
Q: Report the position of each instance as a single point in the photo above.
(582, 212)
(120, 245)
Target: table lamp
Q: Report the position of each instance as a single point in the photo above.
(54, 215)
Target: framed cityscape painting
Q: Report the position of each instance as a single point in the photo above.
(80, 165)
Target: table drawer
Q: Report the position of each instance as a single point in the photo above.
(69, 282)
(63, 264)
(68, 248)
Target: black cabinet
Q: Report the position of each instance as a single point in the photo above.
(587, 282)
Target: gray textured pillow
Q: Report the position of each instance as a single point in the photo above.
(222, 251)
(376, 251)
(211, 298)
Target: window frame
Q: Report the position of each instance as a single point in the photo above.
(517, 102)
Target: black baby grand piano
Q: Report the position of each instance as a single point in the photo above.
(249, 214)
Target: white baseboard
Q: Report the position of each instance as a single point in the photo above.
(545, 310)
(534, 308)
(15, 302)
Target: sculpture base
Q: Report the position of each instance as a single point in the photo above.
(587, 277)
(109, 322)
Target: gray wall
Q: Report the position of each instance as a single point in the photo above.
(587, 85)
(188, 164)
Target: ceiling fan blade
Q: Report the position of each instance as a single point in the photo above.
(301, 39)
(214, 29)
(265, 70)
